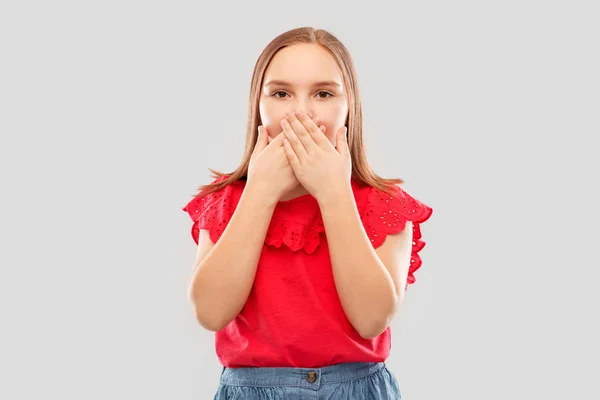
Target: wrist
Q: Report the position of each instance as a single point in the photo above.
(260, 194)
(335, 195)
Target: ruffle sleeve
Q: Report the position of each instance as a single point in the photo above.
(385, 214)
(212, 212)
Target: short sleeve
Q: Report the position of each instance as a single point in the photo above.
(211, 212)
(386, 214)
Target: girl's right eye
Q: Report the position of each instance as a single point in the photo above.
(279, 91)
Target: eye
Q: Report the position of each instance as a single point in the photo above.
(320, 94)
(327, 93)
(279, 91)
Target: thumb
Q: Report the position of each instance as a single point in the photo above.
(261, 141)
(342, 141)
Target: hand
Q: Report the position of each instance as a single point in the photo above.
(269, 168)
(318, 121)
(320, 167)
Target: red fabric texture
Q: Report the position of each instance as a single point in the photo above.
(293, 316)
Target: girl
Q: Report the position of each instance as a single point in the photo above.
(304, 253)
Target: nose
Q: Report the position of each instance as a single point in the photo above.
(306, 110)
(303, 103)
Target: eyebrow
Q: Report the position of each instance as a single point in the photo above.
(284, 83)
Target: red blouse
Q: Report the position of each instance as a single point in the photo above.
(293, 316)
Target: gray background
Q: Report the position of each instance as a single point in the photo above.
(111, 112)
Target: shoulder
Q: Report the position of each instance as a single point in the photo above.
(212, 211)
(219, 198)
(388, 211)
(393, 214)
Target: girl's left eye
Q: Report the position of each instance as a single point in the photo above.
(327, 93)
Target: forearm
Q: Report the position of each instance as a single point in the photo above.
(222, 281)
(365, 287)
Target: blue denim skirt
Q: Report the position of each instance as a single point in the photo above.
(348, 381)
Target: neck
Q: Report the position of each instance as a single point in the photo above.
(295, 192)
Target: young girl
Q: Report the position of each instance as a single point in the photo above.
(304, 253)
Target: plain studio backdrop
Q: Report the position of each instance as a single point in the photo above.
(112, 112)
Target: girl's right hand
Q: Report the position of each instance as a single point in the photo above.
(269, 169)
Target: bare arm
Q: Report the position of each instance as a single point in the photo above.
(370, 282)
(224, 272)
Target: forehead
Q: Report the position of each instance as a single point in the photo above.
(303, 64)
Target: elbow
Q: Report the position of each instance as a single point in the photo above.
(377, 326)
(373, 331)
(373, 327)
(204, 318)
(210, 324)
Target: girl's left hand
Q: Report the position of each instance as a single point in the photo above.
(322, 169)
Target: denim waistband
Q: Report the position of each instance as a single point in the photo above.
(298, 377)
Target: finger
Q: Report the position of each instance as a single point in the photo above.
(277, 141)
(313, 130)
(319, 122)
(302, 132)
(291, 154)
(261, 141)
(294, 141)
(342, 141)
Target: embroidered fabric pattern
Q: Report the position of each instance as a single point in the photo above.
(385, 215)
(295, 235)
(381, 215)
(211, 212)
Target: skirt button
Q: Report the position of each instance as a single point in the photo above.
(311, 377)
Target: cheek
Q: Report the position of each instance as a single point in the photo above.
(334, 118)
(271, 115)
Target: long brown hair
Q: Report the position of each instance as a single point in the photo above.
(361, 171)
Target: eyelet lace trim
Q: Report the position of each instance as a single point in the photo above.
(295, 235)
(385, 215)
(211, 212)
(382, 215)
